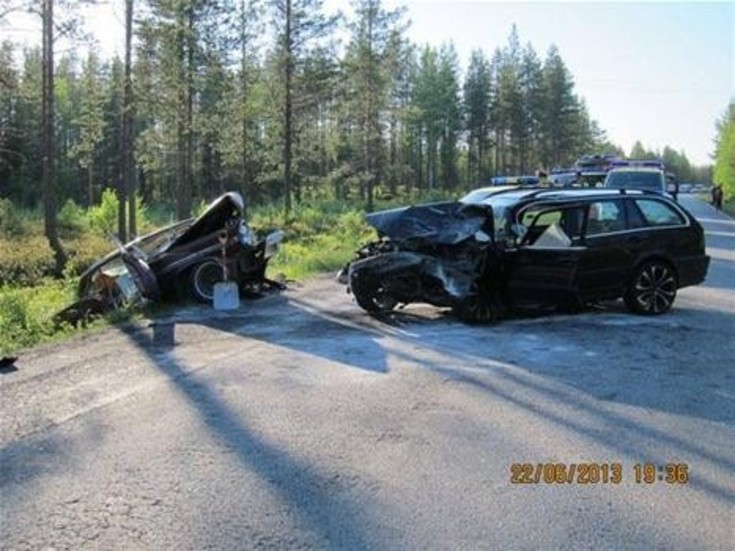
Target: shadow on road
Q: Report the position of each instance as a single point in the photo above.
(314, 496)
(288, 323)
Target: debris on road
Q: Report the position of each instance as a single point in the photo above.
(7, 364)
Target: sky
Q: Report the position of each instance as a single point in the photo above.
(661, 73)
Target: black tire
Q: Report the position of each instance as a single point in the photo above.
(370, 295)
(652, 289)
(480, 306)
(203, 278)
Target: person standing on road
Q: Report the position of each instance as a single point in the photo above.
(717, 194)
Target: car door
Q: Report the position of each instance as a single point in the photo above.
(610, 250)
(542, 269)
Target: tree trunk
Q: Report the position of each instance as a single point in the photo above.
(288, 108)
(49, 153)
(245, 177)
(128, 167)
(90, 185)
(183, 126)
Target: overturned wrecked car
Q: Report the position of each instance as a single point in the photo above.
(185, 259)
(500, 249)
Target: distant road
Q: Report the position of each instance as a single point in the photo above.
(720, 239)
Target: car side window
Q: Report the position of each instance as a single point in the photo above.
(551, 227)
(605, 217)
(658, 213)
(635, 217)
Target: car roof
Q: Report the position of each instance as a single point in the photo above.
(521, 193)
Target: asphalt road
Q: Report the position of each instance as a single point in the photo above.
(300, 422)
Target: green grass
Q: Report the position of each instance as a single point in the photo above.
(315, 240)
(26, 314)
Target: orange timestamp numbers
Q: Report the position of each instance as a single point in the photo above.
(597, 473)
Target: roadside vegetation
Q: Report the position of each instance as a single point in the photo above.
(724, 168)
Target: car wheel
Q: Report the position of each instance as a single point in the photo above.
(652, 289)
(204, 276)
(370, 295)
(478, 307)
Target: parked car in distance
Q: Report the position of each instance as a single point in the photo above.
(500, 249)
(643, 178)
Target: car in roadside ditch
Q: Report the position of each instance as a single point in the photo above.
(182, 260)
(499, 250)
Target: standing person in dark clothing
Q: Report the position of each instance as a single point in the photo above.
(718, 196)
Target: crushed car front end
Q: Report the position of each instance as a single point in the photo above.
(442, 254)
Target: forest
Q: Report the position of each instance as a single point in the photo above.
(279, 100)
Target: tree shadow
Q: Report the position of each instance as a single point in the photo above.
(7, 365)
(292, 324)
(313, 495)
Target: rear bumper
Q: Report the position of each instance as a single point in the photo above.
(692, 270)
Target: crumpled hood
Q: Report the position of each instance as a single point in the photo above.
(223, 209)
(440, 223)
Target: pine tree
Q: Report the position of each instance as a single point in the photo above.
(476, 96)
(90, 121)
(11, 157)
(371, 56)
(559, 124)
(299, 27)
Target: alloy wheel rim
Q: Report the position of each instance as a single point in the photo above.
(655, 289)
(383, 300)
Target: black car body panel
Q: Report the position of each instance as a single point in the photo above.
(523, 247)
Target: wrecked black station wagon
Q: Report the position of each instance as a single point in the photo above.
(500, 249)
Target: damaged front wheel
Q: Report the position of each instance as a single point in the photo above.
(478, 307)
(370, 295)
